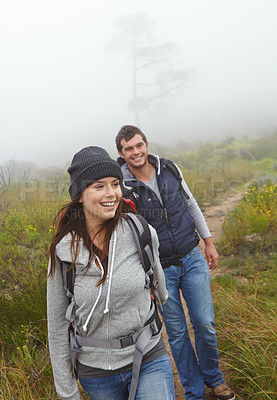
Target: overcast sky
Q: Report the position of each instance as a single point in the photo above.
(61, 89)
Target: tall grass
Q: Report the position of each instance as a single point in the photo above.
(246, 299)
(247, 336)
(25, 232)
(27, 375)
(209, 181)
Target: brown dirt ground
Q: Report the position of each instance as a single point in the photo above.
(214, 215)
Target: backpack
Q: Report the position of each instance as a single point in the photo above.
(153, 325)
(130, 193)
(172, 167)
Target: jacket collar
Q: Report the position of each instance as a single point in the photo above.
(127, 174)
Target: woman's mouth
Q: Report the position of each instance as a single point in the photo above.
(108, 204)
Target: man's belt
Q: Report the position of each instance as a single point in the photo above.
(177, 261)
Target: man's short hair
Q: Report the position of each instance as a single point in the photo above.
(127, 132)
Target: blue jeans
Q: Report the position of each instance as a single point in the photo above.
(194, 281)
(155, 383)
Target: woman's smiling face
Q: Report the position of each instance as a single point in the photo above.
(101, 199)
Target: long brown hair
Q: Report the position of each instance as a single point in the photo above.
(71, 219)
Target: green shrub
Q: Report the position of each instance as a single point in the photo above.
(257, 223)
(257, 213)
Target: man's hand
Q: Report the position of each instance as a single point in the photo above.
(211, 253)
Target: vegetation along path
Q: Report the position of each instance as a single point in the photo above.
(214, 215)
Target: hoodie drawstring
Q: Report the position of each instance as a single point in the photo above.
(111, 275)
(98, 297)
(100, 287)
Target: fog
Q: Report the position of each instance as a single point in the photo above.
(65, 86)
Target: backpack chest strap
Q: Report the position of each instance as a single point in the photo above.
(153, 323)
(140, 339)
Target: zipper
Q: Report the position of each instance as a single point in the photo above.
(161, 185)
(141, 184)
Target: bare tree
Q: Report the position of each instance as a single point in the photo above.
(7, 172)
(24, 174)
(55, 179)
(154, 73)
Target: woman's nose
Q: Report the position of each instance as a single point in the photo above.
(109, 191)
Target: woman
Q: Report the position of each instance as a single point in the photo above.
(110, 297)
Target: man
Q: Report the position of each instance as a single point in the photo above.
(168, 205)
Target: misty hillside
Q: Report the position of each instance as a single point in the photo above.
(185, 154)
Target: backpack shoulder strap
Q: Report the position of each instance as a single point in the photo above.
(172, 167)
(68, 277)
(142, 236)
(69, 274)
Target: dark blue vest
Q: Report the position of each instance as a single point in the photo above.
(174, 225)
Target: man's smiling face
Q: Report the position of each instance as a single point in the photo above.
(135, 151)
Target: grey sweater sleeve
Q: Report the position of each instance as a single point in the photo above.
(194, 210)
(158, 273)
(57, 302)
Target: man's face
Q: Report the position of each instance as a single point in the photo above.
(134, 152)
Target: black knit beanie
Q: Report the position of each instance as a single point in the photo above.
(89, 165)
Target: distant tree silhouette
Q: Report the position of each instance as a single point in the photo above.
(7, 171)
(154, 74)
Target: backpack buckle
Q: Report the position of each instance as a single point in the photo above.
(148, 278)
(154, 327)
(74, 345)
(126, 341)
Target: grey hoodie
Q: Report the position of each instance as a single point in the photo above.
(113, 310)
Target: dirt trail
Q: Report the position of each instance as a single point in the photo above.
(214, 215)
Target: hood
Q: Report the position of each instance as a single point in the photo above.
(63, 251)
